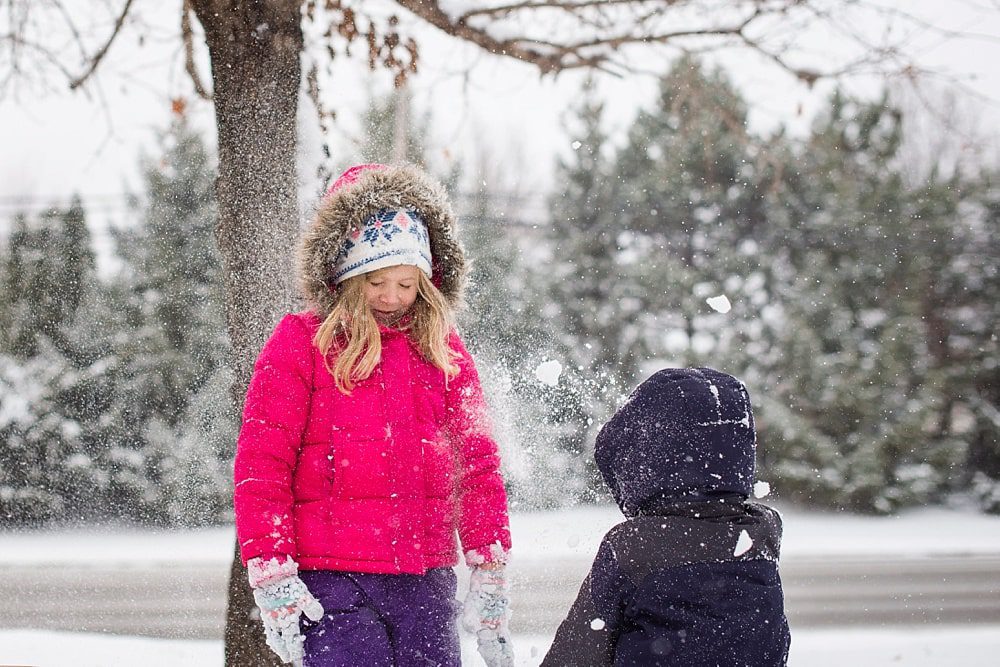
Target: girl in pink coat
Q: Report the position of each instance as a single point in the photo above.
(366, 447)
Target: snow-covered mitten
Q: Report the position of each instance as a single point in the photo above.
(282, 599)
(485, 614)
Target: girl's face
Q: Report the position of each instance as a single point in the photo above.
(390, 292)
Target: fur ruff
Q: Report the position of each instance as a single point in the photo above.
(346, 208)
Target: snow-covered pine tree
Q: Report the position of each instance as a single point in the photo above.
(647, 233)
(42, 470)
(48, 268)
(850, 394)
(693, 203)
(173, 345)
(971, 311)
(589, 300)
(49, 274)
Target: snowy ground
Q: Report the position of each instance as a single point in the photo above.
(969, 647)
(570, 533)
(538, 536)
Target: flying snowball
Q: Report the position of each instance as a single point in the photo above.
(548, 372)
(761, 489)
(743, 544)
(597, 624)
(719, 303)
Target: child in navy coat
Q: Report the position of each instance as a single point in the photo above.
(691, 577)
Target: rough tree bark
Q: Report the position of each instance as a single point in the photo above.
(254, 49)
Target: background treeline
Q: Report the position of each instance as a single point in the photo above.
(864, 315)
(114, 391)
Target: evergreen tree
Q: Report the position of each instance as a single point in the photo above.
(384, 128)
(12, 302)
(693, 201)
(43, 473)
(859, 317)
(49, 268)
(852, 392)
(972, 313)
(173, 344)
(590, 299)
(49, 275)
(645, 234)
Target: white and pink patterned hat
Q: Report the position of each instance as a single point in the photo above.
(387, 238)
(366, 197)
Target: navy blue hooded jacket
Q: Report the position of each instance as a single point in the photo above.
(691, 577)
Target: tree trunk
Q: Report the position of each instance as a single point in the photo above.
(254, 48)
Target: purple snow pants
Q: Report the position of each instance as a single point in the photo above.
(382, 620)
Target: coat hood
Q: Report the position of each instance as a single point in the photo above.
(685, 434)
(360, 192)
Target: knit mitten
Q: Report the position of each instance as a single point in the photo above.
(282, 599)
(486, 612)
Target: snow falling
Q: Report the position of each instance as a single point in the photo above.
(548, 372)
(743, 544)
(844, 267)
(719, 304)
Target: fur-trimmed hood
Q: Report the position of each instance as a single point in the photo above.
(360, 192)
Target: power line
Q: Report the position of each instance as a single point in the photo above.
(515, 208)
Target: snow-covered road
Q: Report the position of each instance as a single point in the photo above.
(927, 567)
(187, 601)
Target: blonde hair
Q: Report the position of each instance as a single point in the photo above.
(351, 332)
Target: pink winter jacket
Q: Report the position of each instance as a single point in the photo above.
(375, 481)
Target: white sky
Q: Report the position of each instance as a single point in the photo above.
(60, 143)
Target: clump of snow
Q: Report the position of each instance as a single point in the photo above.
(597, 624)
(719, 303)
(761, 489)
(743, 544)
(548, 372)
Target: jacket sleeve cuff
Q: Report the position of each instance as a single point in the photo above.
(261, 572)
(489, 553)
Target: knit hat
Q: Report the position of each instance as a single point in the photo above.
(372, 209)
(685, 434)
(387, 238)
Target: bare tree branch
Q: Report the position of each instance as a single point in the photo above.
(71, 26)
(187, 35)
(44, 51)
(96, 59)
(558, 35)
(571, 7)
(433, 14)
(607, 34)
(594, 32)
